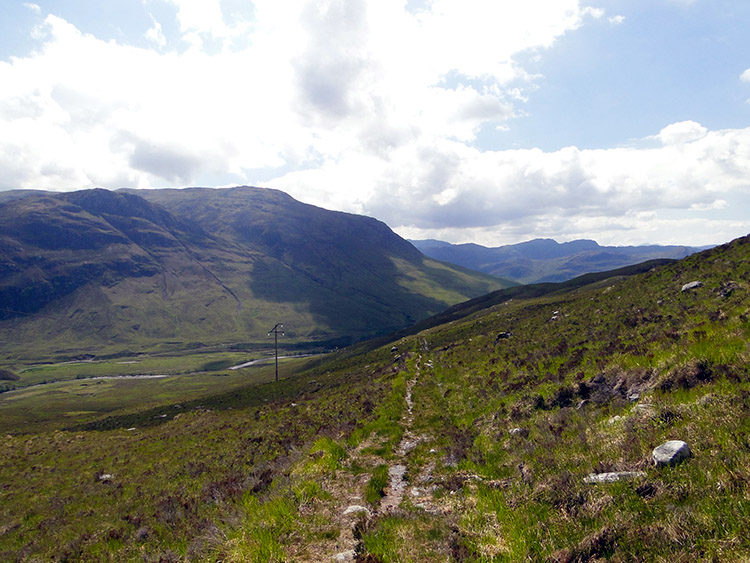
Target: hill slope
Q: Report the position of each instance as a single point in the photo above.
(475, 440)
(112, 270)
(544, 260)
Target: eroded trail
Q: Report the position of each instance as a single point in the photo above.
(417, 488)
(394, 493)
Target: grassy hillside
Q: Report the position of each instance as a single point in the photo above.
(469, 441)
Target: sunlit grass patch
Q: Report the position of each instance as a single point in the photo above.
(407, 539)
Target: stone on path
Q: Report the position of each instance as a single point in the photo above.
(613, 476)
(671, 452)
(356, 509)
(349, 555)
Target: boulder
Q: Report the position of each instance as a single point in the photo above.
(671, 453)
(613, 476)
(357, 509)
(522, 432)
(692, 285)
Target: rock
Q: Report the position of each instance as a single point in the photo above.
(634, 397)
(526, 475)
(727, 288)
(613, 477)
(349, 555)
(615, 419)
(503, 335)
(671, 452)
(394, 349)
(357, 509)
(691, 285)
(105, 478)
(522, 432)
(707, 399)
(646, 409)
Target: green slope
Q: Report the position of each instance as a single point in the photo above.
(494, 437)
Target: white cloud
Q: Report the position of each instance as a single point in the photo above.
(316, 81)
(456, 192)
(33, 7)
(155, 33)
(745, 76)
(349, 104)
(682, 132)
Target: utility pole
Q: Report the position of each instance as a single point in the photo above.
(275, 330)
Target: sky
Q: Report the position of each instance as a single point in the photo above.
(485, 121)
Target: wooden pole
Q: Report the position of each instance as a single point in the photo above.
(276, 347)
(275, 331)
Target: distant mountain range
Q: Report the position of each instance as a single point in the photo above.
(545, 260)
(104, 270)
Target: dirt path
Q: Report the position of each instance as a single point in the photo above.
(352, 510)
(394, 493)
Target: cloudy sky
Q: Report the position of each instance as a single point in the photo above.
(488, 121)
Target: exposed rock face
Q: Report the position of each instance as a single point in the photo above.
(692, 285)
(671, 452)
(612, 477)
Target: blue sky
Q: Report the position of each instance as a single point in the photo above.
(625, 121)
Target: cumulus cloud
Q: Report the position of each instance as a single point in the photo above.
(745, 76)
(458, 192)
(682, 132)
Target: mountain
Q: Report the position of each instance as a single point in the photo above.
(545, 260)
(113, 270)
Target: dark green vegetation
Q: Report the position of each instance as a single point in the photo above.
(544, 260)
(497, 415)
(106, 273)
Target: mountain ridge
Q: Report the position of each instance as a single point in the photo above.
(546, 260)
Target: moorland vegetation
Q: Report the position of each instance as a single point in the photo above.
(471, 439)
